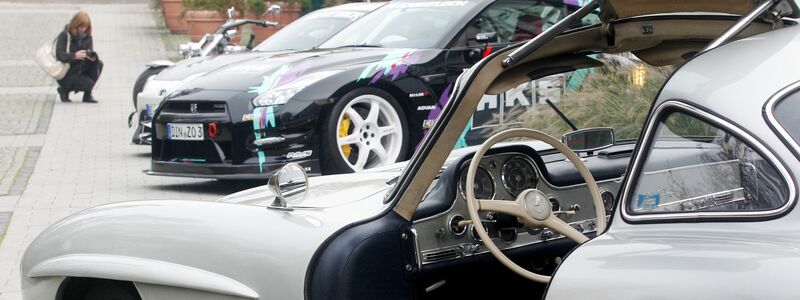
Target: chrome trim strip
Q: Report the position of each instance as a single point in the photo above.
(416, 248)
(721, 124)
(722, 162)
(499, 242)
(770, 114)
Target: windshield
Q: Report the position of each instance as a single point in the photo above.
(407, 24)
(309, 31)
(617, 95)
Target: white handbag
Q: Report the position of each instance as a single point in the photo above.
(46, 58)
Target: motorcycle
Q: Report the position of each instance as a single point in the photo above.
(216, 43)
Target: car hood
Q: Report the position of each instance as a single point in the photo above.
(251, 74)
(239, 243)
(197, 65)
(327, 191)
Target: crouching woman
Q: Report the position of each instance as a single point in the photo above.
(74, 46)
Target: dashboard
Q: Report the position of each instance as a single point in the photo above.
(501, 176)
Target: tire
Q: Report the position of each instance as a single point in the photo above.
(112, 290)
(138, 86)
(83, 288)
(383, 136)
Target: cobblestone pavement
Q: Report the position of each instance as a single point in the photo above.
(58, 158)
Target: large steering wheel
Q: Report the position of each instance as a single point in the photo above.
(532, 207)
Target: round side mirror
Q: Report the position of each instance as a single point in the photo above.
(274, 9)
(290, 185)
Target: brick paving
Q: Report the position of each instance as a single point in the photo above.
(58, 158)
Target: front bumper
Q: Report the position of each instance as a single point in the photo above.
(233, 152)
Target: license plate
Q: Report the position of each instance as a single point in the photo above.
(185, 132)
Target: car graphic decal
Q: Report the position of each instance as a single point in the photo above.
(294, 73)
(395, 64)
(439, 105)
(263, 118)
(269, 81)
(462, 140)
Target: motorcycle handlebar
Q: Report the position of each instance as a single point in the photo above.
(240, 22)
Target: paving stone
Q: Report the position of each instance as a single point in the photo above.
(24, 113)
(24, 76)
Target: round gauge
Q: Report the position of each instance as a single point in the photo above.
(519, 175)
(484, 184)
(608, 200)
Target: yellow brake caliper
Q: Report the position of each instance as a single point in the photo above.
(344, 130)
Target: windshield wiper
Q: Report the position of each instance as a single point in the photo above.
(561, 114)
(364, 45)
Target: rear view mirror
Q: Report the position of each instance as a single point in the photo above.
(589, 139)
(274, 9)
(486, 37)
(231, 12)
(289, 185)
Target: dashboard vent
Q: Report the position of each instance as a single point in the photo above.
(441, 255)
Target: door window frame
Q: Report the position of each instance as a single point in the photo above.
(777, 127)
(647, 140)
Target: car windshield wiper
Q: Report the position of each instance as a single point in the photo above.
(364, 45)
(561, 114)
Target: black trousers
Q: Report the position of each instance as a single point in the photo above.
(86, 78)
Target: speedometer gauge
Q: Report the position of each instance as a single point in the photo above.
(484, 184)
(519, 175)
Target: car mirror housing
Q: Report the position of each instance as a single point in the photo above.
(486, 37)
(290, 186)
(589, 139)
(274, 9)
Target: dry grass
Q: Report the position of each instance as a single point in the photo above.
(608, 97)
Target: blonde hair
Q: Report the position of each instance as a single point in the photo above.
(81, 18)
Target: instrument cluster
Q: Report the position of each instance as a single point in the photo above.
(516, 173)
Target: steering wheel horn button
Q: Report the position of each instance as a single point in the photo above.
(536, 204)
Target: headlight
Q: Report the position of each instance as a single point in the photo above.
(281, 94)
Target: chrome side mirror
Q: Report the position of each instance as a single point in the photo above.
(230, 33)
(486, 37)
(274, 9)
(589, 139)
(290, 186)
(231, 12)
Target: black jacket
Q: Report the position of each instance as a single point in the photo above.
(76, 66)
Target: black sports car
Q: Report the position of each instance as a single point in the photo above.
(363, 99)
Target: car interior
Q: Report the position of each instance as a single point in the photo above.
(453, 260)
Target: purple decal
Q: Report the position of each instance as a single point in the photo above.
(439, 105)
(394, 65)
(294, 72)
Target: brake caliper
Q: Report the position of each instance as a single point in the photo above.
(344, 130)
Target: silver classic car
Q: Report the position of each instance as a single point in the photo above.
(690, 195)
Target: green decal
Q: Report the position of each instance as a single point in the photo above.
(462, 140)
(263, 118)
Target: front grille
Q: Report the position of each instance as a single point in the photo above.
(194, 151)
(185, 107)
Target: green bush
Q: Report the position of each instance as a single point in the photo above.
(244, 7)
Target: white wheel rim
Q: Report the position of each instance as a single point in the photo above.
(374, 133)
